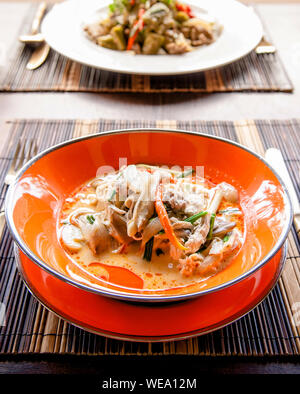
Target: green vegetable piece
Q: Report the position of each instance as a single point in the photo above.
(192, 219)
(226, 238)
(91, 219)
(233, 211)
(117, 33)
(107, 42)
(118, 6)
(181, 17)
(112, 195)
(211, 225)
(153, 42)
(168, 2)
(148, 249)
(112, 7)
(186, 173)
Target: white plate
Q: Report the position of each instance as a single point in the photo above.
(63, 30)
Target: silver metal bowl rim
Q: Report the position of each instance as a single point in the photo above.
(141, 297)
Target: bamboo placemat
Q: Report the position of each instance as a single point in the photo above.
(272, 328)
(252, 73)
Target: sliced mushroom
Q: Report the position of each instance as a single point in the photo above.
(144, 208)
(182, 229)
(118, 227)
(153, 227)
(222, 227)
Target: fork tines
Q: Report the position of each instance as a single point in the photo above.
(24, 151)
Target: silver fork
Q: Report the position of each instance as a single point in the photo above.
(265, 47)
(21, 156)
(23, 153)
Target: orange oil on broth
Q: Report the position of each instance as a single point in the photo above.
(160, 273)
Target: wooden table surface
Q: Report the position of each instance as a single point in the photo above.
(282, 21)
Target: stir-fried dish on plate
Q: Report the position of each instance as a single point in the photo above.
(153, 27)
(164, 228)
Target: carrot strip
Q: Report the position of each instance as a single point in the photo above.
(138, 26)
(164, 219)
(131, 40)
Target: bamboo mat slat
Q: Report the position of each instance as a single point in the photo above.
(252, 73)
(272, 328)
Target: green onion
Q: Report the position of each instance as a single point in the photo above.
(112, 195)
(118, 5)
(211, 225)
(115, 191)
(195, 217)
(91, 219)
(112, 7)
(167, 2)
(226, 238)
(148, 249)
(231, 210)
(186, 173)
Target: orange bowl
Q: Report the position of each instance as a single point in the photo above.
(35, 198)
(141, 322)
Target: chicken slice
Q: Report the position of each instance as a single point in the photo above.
(219, 252)
(95, 234)
(198, 237)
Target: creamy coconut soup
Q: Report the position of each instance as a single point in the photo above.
(148, 227)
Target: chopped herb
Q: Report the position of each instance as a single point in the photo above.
(115, 191)
(148, 249)
(186, 173)
(118, 5)
(192, 219)
(231, 210)
(211, 225)
(112, 195)
(120, 174)
(159, 252)
(112, 7)
(226, 238)
(91, 219)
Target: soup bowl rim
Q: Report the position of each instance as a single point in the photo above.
(127, 296)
